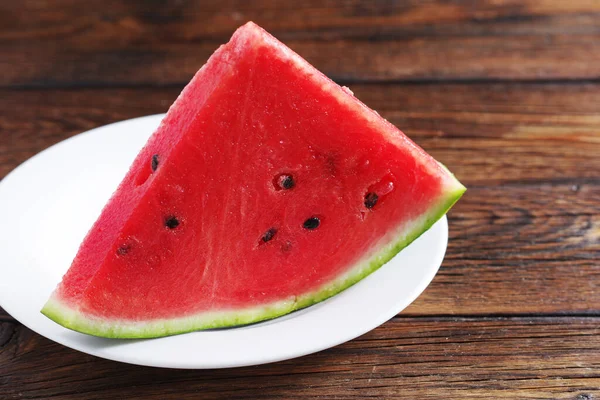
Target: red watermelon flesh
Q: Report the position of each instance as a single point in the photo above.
(266, 188)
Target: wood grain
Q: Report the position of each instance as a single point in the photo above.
(160, 43)
(493, 358)
(525, 239)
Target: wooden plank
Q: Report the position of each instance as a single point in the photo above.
(132, 43)
(486, 134)
(525, 358)
(493, 134)
(513, 262)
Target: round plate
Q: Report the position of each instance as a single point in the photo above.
(50, 201)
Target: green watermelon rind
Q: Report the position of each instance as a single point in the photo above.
(72, 319)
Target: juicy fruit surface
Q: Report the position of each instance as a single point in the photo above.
(262, 184)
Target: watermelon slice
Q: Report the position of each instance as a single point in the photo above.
(266, 188)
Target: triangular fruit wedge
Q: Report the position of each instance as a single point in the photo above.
(266, 188)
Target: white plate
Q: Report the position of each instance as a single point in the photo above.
(50, 201)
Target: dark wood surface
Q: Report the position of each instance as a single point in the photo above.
(505, 93)
(160, 42)
(413, 358)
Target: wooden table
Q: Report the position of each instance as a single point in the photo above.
(504, 92)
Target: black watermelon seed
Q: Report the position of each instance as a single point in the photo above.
(171, 222)
(371, 200)
(284, 181)
(154, 162)
(270, 234)
(287, 182)
(311, 223)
